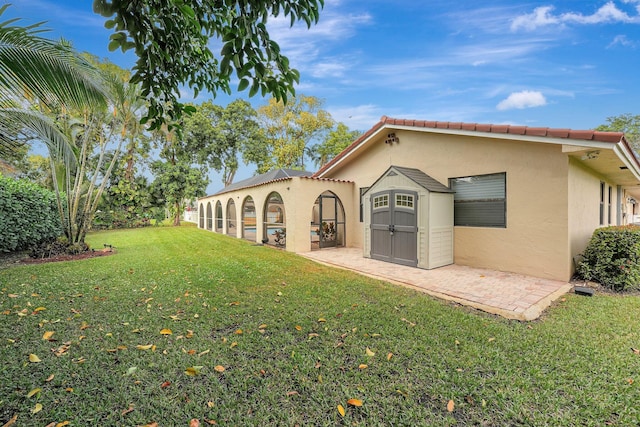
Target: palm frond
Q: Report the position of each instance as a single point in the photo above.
(33, 67)
(18, 126)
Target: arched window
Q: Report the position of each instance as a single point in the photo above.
(209, 217)
(327, 222)
(275, 226)
(231, 218)
(201, 215)
(249, 219)
(218, 216)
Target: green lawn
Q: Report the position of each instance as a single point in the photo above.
(293, 338)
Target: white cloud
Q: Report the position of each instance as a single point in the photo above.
(622, 40)
(540, 16)
(543, 16)
(520, 100)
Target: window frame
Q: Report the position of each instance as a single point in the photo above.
(458, 204)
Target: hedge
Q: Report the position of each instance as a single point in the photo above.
(612, 258)
(28, 215)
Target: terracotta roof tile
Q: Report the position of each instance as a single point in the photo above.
(588, 135)
(499, 128)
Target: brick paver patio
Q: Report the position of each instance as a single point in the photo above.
(514, 296)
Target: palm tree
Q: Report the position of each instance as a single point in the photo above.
(36, 74)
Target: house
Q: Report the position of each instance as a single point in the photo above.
(423, 193)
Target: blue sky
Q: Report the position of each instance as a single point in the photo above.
(567, 64)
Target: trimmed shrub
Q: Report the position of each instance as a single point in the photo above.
(612, 258)
(28, 215)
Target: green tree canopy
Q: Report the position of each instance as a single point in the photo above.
(336, 140)
(172, 40)
(627, 123)
(219, 134)
(289, 130)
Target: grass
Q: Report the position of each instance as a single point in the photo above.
(291, 336)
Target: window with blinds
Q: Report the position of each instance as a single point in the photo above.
(481, 200)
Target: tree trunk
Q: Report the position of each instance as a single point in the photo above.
(176, 219)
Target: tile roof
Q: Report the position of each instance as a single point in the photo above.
(586, 135)
(271, 176)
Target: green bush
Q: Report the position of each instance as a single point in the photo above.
(28, 215)
(612, 258)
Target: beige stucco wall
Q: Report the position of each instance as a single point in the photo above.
(584, 205)
(535, 239)
(298, 195)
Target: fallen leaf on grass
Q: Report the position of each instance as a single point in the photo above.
(491, 339)
(362, 366)
(34, 392)
(37, 408)
(132, 370)
(84, 326)
(189, 334)
(635, 350)
(369, 352)
(150, 425)
(233, 344)
(62, 424)
(62, 349)
(39, 309)
(165, 384)
(49, 378)
(165, 332)
(194, 423)
(410, 323)
(450, 406)
(354, 402)
(322, 320)
(263, 326)
(389, 356)
(144, 347)
(33, 358)
(341, 410)
(291, 393)
(192, 371)
(126, 411)
(298, 328)
(219, 368)
(13, 296)
(12, 421)
(202, 353)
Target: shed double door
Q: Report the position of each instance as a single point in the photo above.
(394, 231)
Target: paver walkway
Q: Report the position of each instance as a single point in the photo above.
(514, 296)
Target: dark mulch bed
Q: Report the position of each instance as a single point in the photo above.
(20, 258)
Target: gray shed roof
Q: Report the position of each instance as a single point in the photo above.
(419, 177)
(273, 175)
(423, 180)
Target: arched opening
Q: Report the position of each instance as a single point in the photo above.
(218, 216)
(249, 219)
(327, 222)
(231, 218)
(201, 216)
(275, 226)
(209, 217)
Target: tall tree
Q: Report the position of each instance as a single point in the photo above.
(172, 42)
(289, 129)
(98, 134)
(627, 123)
(176, 178)
(219, 134)
(336, 140)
